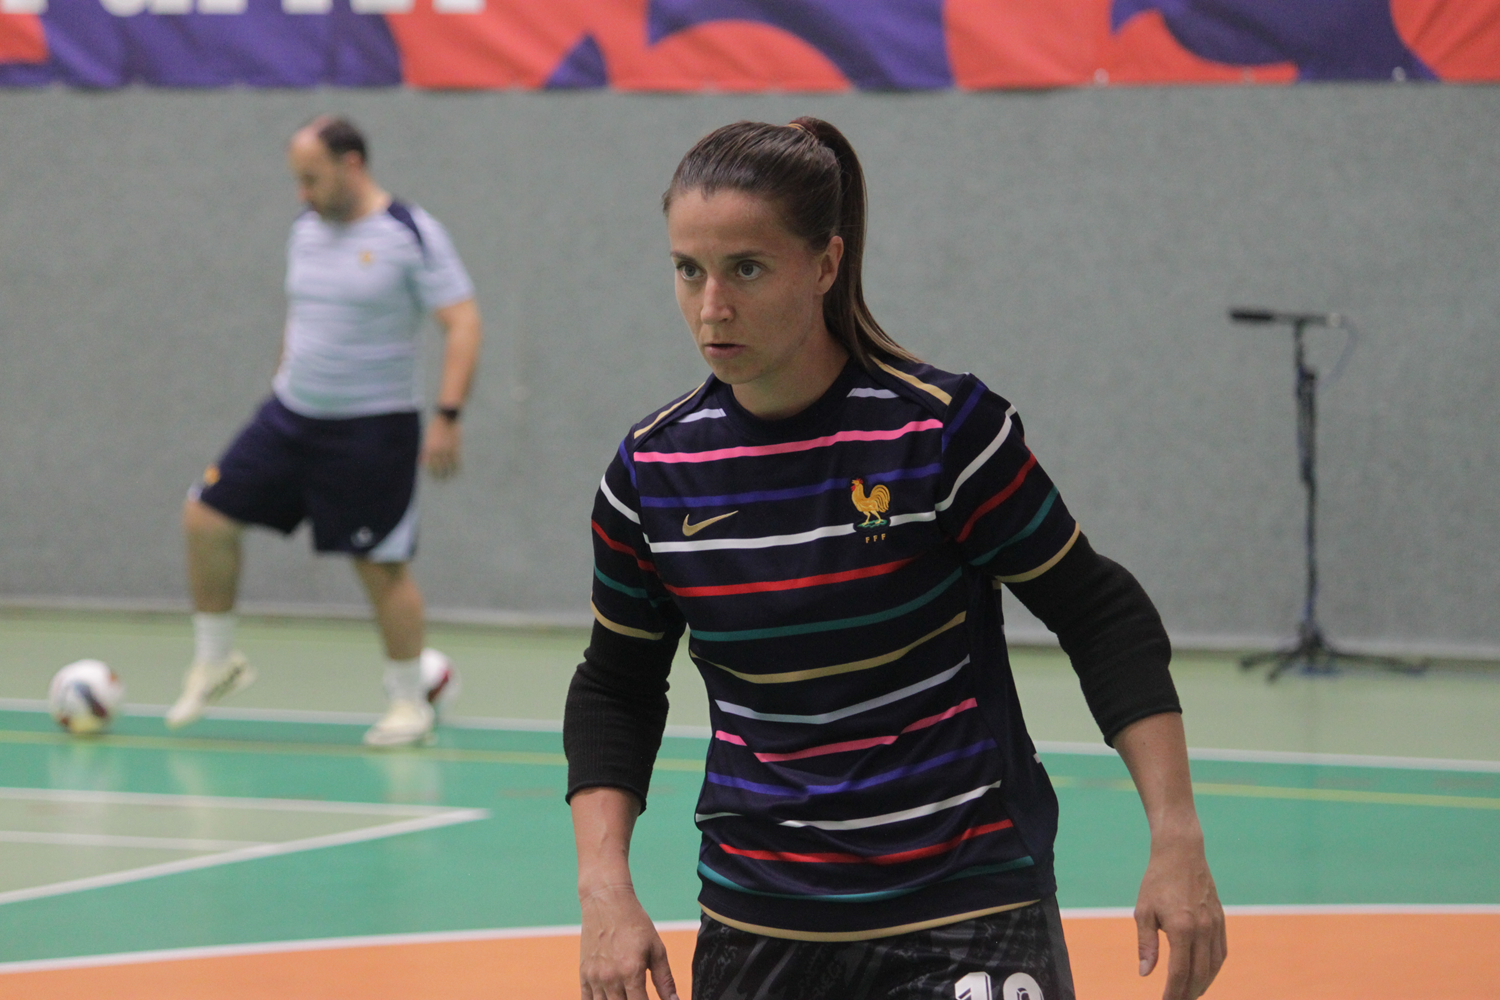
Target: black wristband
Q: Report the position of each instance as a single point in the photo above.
(450, 413)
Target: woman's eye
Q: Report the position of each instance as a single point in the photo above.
(747, 269)
(687, 271)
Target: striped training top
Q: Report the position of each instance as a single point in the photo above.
(869, 772)
(357, 294)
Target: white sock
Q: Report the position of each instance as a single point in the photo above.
(403, 680)
(213, 636)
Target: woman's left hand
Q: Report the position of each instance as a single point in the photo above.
(1178, 896)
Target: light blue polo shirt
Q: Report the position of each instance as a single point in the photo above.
(357, 296)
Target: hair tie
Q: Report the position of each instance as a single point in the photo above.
(799, 127)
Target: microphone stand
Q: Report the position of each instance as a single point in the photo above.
(1312, 653)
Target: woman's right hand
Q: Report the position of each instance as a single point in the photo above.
(619, 946)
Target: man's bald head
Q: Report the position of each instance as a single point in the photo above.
(339, 136)
(329, 156)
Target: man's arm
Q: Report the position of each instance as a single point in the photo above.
(1177, 894)
(620, 944)
(463, 335)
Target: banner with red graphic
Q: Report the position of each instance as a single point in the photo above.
(742, 45)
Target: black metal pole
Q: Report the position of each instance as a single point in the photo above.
(1312, 653)
(1307, 455)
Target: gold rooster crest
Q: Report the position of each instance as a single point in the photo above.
(872, 505)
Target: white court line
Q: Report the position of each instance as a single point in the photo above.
(1292, 757)
(244, 854)
(122, 840)
(513, 933)
(216, 712)
(419, 818)
(315, 944)
(218, 802)
(705, 732)
(1306, 909)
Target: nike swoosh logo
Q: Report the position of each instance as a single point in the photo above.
(692, 529)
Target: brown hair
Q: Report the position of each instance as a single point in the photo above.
(339, 136)
(811, 172)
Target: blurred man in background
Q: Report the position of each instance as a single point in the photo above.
(340, 438)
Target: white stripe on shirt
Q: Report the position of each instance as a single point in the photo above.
(772, 541)
(614, 502)
(979, 460)
(894, 817)
(844, 713)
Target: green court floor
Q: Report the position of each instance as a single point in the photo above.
(272, 827)
(519, 674)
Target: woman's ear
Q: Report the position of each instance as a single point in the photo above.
(828, 263)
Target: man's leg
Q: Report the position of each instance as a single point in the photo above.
(213, 564)
(213, 557)
(398, 607)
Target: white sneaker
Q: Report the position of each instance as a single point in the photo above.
(439, 680)
(205, 683)
(405, 723)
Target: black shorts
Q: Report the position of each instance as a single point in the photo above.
(1014, 955)
(354, 478)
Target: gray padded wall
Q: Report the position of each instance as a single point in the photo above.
(1074, 248)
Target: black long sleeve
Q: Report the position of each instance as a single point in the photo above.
(617, 710)
(1111, 631)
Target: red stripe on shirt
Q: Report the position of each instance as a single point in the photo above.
(621, 547)
(916, 854)
(998, 498)
(762, 586)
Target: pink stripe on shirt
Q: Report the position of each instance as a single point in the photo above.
(752, 451)
(864, 744)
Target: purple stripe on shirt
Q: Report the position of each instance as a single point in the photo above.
(791, 492)
(629, 465)
(963, 413)
(852, 786)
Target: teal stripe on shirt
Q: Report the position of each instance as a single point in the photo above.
(866, 897)
(1023, 534)
(830, 626)
(622, 588)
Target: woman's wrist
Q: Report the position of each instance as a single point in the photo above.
(590, 893)
(1176, 829)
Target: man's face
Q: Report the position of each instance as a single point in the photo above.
(323, 182)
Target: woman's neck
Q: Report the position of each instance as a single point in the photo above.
(798, 388)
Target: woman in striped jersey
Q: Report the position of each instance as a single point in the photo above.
(831, 518)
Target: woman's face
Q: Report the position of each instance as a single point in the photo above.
(751, 292)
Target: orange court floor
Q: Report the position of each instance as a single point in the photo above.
(1312, 956)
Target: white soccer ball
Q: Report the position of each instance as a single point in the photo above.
(439, 679)
(85, 695)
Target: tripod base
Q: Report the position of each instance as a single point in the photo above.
(1314, 655)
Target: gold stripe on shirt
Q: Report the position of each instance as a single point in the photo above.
(840, 668)
(634, 633)
(671, 407)
(1032, 574)
(946, 399)
(870, 935)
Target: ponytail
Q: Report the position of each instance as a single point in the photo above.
(812, 173)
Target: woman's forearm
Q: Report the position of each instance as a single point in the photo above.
(603, 820)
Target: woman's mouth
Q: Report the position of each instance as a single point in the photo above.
(721, 351)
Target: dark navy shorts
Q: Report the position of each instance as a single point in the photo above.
(1012, 955)
(355, 478)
